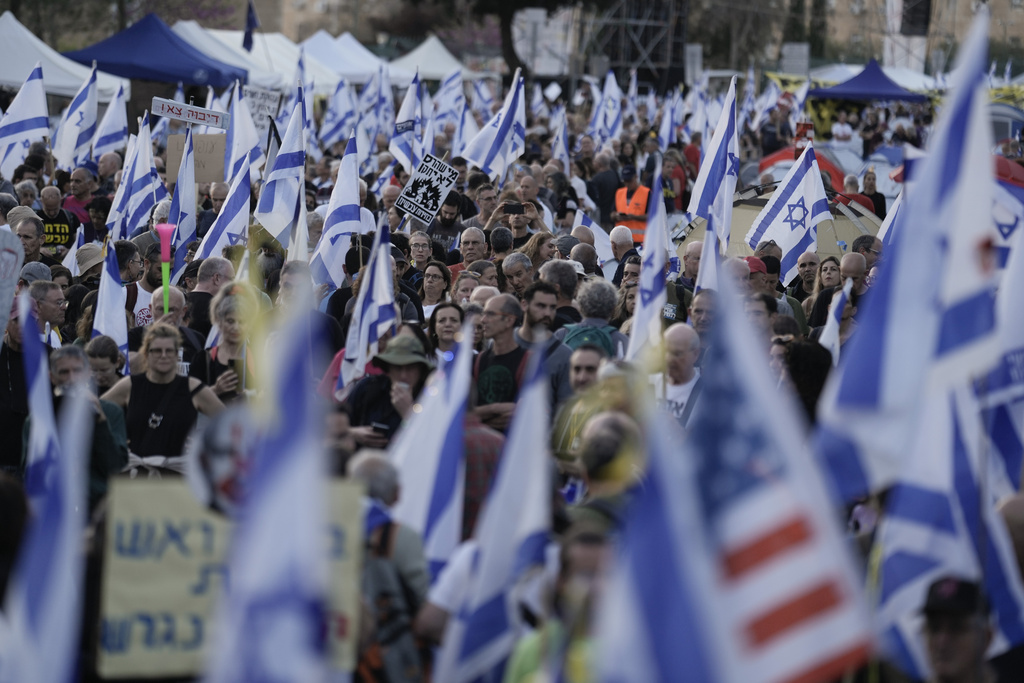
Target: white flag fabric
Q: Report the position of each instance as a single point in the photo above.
(111, 297)
(282, 201)
(184, 208)
(512, 535)
(340, 117)
(145, 188)
(72, 145)
(602, 242)
(44, 595)
(232, 223)
(650, 303)
(707, 273)
(451, 98)
(792, 214)
(429, 454)
(119, 204)
(465, 131)
(271, 617)
(112, 131)
(70, 262)
(712, 194)
(25, 121)
(611, 104)
(560, 143)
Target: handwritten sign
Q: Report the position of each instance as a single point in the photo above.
(164, 567)
(209, 156)
(427, 188)
(263, 105)
(190, 113)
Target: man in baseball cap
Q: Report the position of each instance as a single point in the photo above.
(957, 631)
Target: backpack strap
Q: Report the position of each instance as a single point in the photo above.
(690, 402)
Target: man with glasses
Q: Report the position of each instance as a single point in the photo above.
(870, 247)
(498, 371)
(474, 248)
(487, 201)
(51, 304)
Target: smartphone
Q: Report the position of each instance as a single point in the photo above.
(513, 208)
(381, 428)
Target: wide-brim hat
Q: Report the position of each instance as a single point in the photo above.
(402, 350)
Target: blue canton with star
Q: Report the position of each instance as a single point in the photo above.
(648, 294)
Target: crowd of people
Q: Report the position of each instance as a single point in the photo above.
(506, 256)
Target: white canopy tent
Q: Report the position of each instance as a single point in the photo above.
(199, 38)
(274, 52)
(20, 49)
(354, 68)
(354, 51)
(433, 60)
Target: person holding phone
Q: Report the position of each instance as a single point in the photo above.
(227, 365)
(379, 403)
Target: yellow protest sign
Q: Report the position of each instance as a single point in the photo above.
(164, 565)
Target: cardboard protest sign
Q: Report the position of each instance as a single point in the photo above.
(209, 156)
(12, 256)
(263, 105)
(426, 189)
(165, 563)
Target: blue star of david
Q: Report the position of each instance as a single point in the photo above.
(796, 214)
(81, 117)
(647, 294)
(236, 239)
(1007, 229)
(26, 144)
(734, 165)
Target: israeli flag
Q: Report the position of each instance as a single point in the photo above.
(340, 117)
(465, 131)
(343, 220)
(111, 298)
(512, 535)
(383, 179)
(232, 223)
(374, 313)
(650, 304)
(270, 621)
(282, 202)
(498, 145)
(243, 141)
(451, 98)
(145, 188)
(713, 191)
(408, 128)
(886, 232)
(368, 99)
(651, 101)
(560, 144)
(632, 96)
(602, 243)
(25, 122)
(183, 208)
(425, 141)
(917, 330)
(830, 334)
(119, 204)
(768, 100)
(73, 144)
(793, 213)
(385, 101)
(538, 107)
(70, 262)
(112, 132)
(666, 129)
(429, 453)
(940, 520)
(44, 596)
(1001, 392)
(799, 100)
(1008, 214)
(483, 98)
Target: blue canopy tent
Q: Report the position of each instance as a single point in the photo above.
(869, 84)
(149, 50)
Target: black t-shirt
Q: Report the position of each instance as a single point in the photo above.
(498, 377)
(518, 242)
(446, 236)
(60, 229)
(565, 315)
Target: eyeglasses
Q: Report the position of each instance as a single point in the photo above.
(432, 276)
(876, 252)
(419, 246)
(63, 303)
(135, 261)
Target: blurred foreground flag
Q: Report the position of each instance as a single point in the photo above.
(732, 567)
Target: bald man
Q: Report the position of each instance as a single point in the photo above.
(59, 224)
(218, 194)
(853, 266)
(676, 389)
(192, 341)
(691, 265)
(584, 234)
(108, 166)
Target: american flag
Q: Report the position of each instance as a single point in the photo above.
(763, 566)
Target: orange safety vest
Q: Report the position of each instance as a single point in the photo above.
(635, 206)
